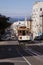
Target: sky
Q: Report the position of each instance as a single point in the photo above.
(16, 7)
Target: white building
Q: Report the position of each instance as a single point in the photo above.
(37, 20)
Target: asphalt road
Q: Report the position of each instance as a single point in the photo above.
(21, 56)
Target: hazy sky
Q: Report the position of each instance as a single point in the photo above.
(16, 7)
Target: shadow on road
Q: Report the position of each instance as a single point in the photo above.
(13, 51)
(6, 63)
(38, 49)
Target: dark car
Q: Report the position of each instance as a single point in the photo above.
(39, 37)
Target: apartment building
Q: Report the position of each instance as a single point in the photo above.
(37, 19)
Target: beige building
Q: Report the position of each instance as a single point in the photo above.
(37, 19)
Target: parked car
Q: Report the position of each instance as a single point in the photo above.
(39, 37)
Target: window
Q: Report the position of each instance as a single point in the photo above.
(20, 31)
(23, 33)
(27, 32)
(40, 9)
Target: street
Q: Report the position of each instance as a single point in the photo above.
(20, 55)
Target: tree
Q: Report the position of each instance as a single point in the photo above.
(4, 23)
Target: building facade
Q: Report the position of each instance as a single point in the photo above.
(37, 19)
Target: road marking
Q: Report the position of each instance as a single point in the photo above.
(6, 60)
(33, 52)
(37, 44)
(9, 43)
(38, 58)
(24, 58)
